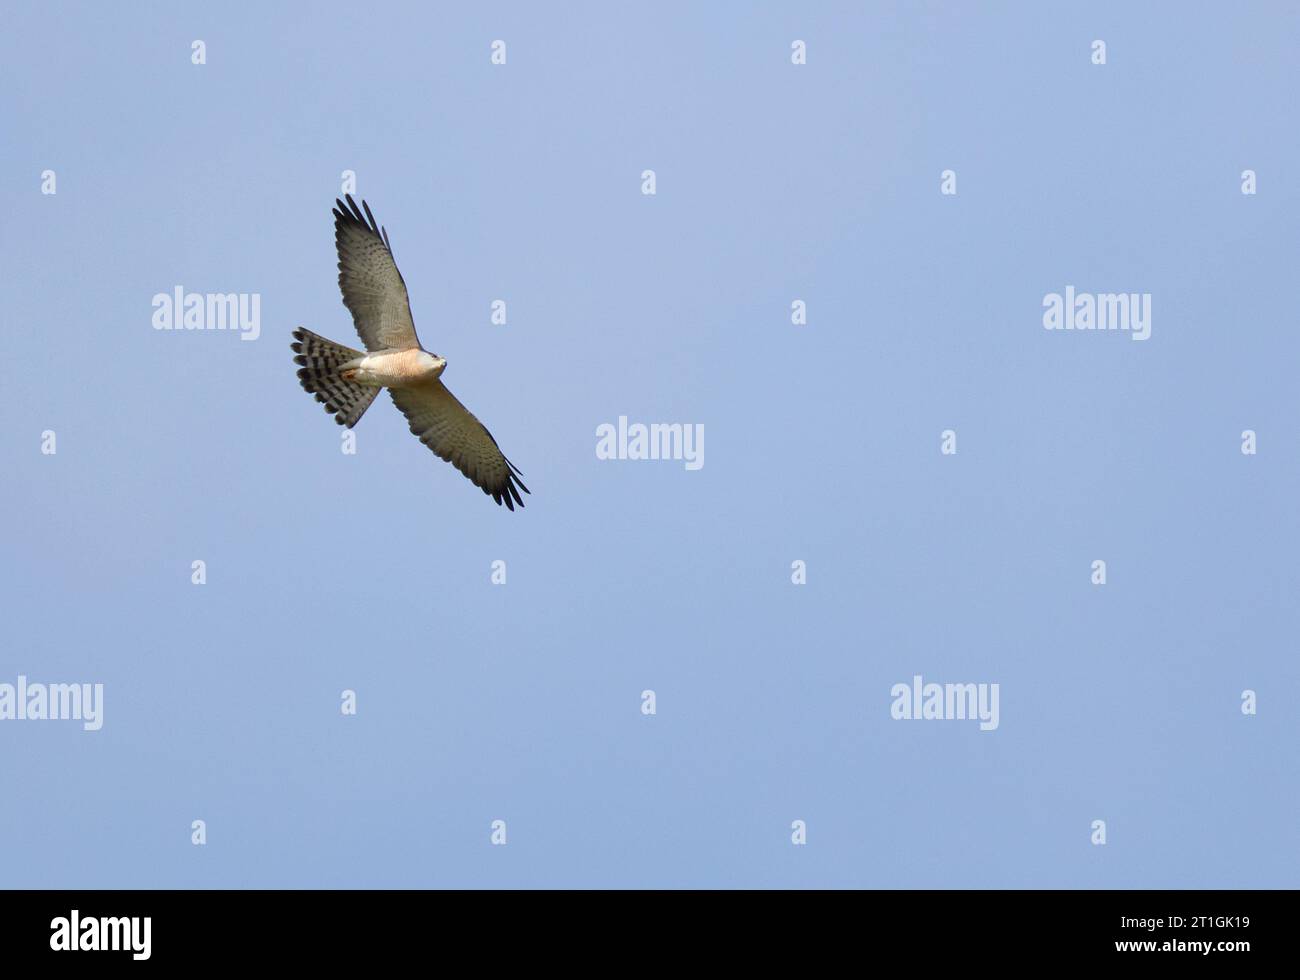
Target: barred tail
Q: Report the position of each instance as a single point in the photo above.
(321, 361)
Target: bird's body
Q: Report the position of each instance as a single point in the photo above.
(394, 368)
(346, 381)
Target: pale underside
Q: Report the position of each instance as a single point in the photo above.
(394, 368)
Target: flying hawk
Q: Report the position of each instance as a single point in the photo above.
(346, 381)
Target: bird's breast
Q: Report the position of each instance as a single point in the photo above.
(396, 369)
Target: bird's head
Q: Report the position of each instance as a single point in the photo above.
(433, 364)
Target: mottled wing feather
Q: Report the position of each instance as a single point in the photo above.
(373, 289)
(447, 427)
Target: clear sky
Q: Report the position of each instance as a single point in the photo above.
(522, 702)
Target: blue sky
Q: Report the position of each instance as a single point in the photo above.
(775, 182)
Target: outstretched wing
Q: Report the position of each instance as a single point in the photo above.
(373, 289)
(447, 427)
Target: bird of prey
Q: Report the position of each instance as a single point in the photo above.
(346, 381)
